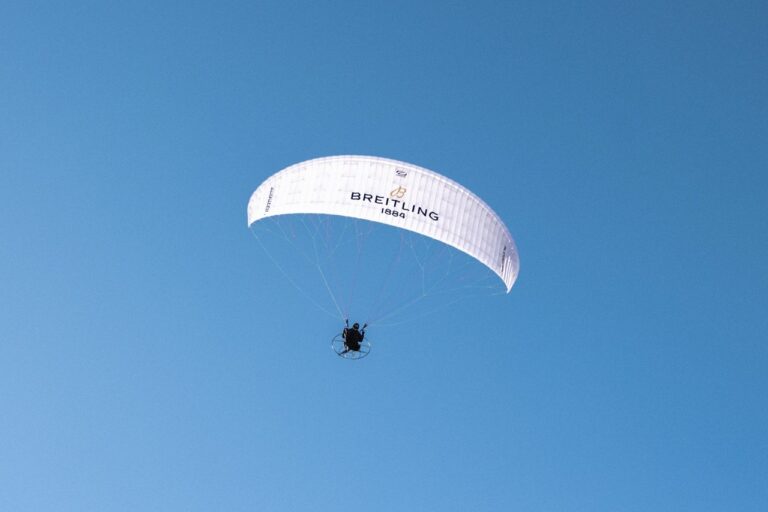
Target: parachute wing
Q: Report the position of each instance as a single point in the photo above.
(394, 193)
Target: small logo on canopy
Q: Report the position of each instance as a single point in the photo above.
(399, 192)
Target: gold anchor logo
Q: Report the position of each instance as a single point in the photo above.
(399, 192)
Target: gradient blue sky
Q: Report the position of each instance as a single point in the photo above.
(144, 359)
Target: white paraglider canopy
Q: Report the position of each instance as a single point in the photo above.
(395, 193)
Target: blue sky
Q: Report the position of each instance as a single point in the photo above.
(151, 359)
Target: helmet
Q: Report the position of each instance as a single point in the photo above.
(356, 325)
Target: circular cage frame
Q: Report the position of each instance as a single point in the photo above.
(338, 346)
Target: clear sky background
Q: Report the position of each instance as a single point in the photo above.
(152, 359)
